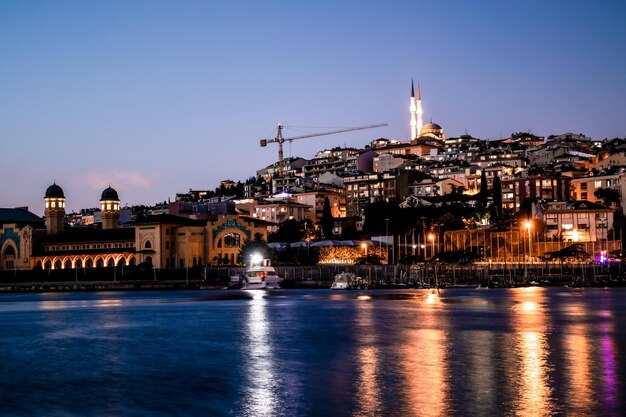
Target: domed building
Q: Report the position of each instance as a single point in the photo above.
(432, 130)
(110, 208)
(54, 209)
(83, 247)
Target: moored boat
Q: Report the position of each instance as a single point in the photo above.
(261, 276)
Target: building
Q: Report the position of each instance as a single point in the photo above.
(18, 227)
(544, 186)
(577, 221)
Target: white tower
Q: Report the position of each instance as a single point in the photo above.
(419, 111)
(413, 112)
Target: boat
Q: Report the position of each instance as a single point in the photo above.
(235, 283)
(260, 276)
(345, 281)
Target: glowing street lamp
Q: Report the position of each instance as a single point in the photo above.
(431, 237)
(364, 246)
(527, 225)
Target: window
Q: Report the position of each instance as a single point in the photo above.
(232, 240)
(148, 245)
(583, 185)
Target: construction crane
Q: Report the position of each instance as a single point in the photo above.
(280, 139)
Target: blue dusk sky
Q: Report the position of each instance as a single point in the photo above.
(156, 97)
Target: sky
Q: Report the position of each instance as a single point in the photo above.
(158, 97)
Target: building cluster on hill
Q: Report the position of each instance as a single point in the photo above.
(572, 186)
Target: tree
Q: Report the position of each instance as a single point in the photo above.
(327, 222)
(608, 195)
(484, 189)
(496, 191)
(257, 245)
(289, 231)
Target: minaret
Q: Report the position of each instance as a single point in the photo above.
(54, 209)
(419, 111)
(412, 111)
(110, 208)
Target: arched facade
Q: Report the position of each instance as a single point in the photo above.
(228, 234)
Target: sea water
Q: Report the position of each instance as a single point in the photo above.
(515, 352)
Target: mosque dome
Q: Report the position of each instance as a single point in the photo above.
(431, 126)
(432, 130)
(109, 194)
(54, 191)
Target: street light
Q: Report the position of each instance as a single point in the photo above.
(364, 246)
(528, 226)
(431, 237)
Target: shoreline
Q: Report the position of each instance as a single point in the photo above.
(98, 286)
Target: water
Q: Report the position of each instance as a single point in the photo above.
(513, 352)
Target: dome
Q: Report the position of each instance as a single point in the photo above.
(431, 126)
(109, 194)
(54, 191)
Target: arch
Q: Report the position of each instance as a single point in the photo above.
(9, 250)
(99, 262)
(230, 239)
(110, 262)
(67, 264)
(38, 265)
(47, 264)
(147, 244)
(77, 262)
(58, 264)
(131, 261)
(88, 263)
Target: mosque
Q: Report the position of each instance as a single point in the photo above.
(420, 131)
(163, 241)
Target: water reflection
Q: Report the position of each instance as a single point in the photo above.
(578, 360)
(534, 391)
(609, 367)
(368, 401)
(425, 359)
(260, 397)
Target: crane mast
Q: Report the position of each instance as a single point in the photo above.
(279, 139)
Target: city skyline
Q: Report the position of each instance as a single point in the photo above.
(155, 99)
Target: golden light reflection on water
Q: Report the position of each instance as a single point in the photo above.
(65, 304)
(534, 392)
(261, 396)
(578, 361)
(425, 360)
(368, 363)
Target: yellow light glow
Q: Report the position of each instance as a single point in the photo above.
(527, 224)
(431, 236)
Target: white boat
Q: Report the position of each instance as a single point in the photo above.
(261, 276)
(345, 281)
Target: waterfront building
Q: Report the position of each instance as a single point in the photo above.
(575, 221)
(83, 247)
(17, 229)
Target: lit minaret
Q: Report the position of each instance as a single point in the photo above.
(413, 111)
(419, 111)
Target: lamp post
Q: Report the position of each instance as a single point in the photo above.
(431, 237)
(387, 238)
(528, 226)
